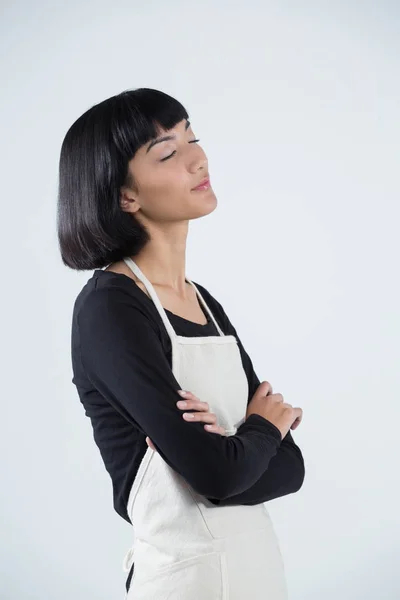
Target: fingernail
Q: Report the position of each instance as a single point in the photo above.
(182, 392)
(181, 404)
(188, 415)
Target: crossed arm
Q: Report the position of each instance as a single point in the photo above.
(284, 472)
(123, 358)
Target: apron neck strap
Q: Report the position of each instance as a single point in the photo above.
(142, 277)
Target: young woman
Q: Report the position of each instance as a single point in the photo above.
(190, 478)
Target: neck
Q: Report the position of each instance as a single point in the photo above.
(163, 259)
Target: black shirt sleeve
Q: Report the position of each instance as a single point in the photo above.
(285, 471)
(123, 358)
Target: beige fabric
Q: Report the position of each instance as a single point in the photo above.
(185, 547)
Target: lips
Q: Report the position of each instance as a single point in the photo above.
(205, 182)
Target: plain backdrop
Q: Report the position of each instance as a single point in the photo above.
(297, 107)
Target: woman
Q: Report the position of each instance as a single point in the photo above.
(190, 479)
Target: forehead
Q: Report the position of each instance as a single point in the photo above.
(184, 124)
(145, 151)
(165, 136)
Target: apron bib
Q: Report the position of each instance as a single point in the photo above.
(185, 547)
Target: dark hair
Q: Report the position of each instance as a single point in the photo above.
(93, 231)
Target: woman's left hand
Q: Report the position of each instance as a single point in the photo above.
(193, 402)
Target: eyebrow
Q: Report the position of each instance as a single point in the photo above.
(165, 138)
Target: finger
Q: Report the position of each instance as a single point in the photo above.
(188, 395)
(150, 443)
(266, 388)
(296, 422)
(193, 404)
(190, 398)
(200, 416)
(299, 412)
(215, 429)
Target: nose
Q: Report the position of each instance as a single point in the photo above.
(200, 163)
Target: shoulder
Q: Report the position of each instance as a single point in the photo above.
(205, 292)
(107, 294)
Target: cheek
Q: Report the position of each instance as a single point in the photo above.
(174, 184)
(165, 194)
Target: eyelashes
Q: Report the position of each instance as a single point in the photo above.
(174, 152)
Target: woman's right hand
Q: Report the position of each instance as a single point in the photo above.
(272, 407)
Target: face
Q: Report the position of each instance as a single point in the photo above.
(165, 174)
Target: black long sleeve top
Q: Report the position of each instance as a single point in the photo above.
(121, 360)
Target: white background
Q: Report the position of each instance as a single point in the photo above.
(297, 107)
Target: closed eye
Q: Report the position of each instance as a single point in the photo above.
(174, 152)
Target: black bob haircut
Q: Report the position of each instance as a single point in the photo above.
(93, 231)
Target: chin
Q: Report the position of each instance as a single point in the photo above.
(204, 206)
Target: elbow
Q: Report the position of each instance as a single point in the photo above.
(296, 471)
(298, 476)
(293, 481)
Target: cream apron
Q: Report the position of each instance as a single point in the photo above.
(185, 547)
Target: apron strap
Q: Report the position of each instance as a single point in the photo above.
(140, 275)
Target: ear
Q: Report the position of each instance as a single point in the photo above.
(128, 201)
